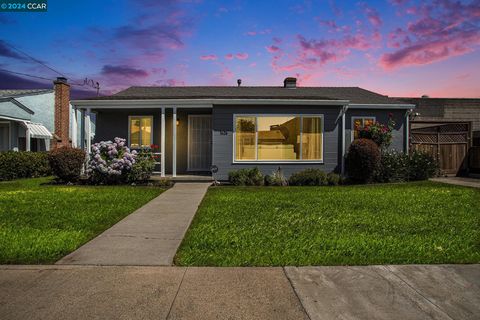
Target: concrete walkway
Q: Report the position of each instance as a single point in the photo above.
(373, 292)
(149, 236)
(459, 181)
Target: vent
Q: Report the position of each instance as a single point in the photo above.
(290, 83)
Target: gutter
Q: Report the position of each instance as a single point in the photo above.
(198, 103)
(381, 106)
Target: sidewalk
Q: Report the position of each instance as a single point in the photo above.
(459, 181)
(149, 236)
(316, 293)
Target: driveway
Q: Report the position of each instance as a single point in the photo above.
(372, 292)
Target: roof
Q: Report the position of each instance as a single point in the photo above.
(355, 95)
(38, 130)
(10, 93)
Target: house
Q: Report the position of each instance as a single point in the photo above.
(449, 129)
(37, 119)
(230, 128)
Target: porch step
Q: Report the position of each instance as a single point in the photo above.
(185, 178)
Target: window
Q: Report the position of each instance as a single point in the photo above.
(360, 122)
(278, 138)
(140, 131)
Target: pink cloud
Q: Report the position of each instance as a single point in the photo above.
(373, 17)
(241, 56)
(450, 30)
(272, 48)
(426, 52)
(209, 57)
(229, 56)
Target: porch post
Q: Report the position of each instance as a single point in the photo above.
(27, 139)
(342, 163)
(88, 129)
(174, 144)
(82, 129)
(74, 128)
(407, 131)
(162, 143)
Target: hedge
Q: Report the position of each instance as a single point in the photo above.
(23, 164)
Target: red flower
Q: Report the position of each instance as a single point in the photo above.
(390, 115)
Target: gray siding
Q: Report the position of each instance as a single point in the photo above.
(381, 116)
(223, 138)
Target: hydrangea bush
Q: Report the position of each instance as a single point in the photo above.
(110, 162)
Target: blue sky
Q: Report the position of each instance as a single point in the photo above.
(397, 47)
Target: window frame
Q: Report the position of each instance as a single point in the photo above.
(256, 115)
(352, 129)
(130, 117)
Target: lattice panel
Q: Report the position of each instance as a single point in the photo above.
(453, 138)
(453, 127)
(423, 138)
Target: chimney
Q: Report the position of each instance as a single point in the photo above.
(62, 113)
(290, 83)
(239, 82)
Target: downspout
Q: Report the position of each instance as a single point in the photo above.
(344, 111)
(407, 130)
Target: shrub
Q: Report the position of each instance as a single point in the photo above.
(67, 163)
(143, 168)
(111, 162)
(333, 179)
(379, 133)
(393, 167)
(308, 177)
(23, 164)
(246, 177)
(422, 166)
(276, 179)
(362, 160)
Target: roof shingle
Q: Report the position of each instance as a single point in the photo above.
(353, 94)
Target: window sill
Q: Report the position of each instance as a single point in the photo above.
(279, 162)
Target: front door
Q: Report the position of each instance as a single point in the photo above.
(199, 142)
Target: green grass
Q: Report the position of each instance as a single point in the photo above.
(422, 222)
(41, 223)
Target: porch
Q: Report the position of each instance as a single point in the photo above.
(181, 136)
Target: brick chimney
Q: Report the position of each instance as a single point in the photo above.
(62, 113)
(290, 83)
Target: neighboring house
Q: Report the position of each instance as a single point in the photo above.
(447, 128)
(38, 119)
(242, 127)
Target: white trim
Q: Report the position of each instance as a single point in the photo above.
(162, 141)
(352, 127)
(74, 128)
(380, 106)
(27, 139)
(174, 142)
(307, 115)
(89, 130)
(343, 136)
(199, 103)
(188, 139)
(140, 135)
(9, 134)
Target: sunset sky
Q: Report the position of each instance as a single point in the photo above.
(396, 47)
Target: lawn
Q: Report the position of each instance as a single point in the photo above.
(421, 222)
(41, 223)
